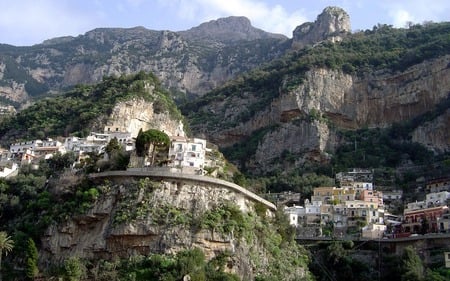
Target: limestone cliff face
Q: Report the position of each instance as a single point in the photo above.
(378, 99)
(435, 134)
(331, 25)
(14, 92)
(133, 115)
(297, 121)
(190, 62)
(141, 217)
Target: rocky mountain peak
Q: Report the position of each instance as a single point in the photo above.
(228, 29)
(332, 24)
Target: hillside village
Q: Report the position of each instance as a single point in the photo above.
(357, 209)
(189, 153)
(354, 208)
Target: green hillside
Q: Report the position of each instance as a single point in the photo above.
(76, 111)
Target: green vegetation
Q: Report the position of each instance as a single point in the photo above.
(189, 262)
(151, 139)
(32, 260)
(77, 111)
(376, 148)
(384, 47)
(6, 246)
(240, 152)
(226, 219)
(342, 260)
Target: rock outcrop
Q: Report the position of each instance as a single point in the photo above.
(228, 29)
(331, 25)
(435, 134)
(144, 216)
(133, 115)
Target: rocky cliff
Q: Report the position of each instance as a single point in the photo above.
(190, 62)
(135, 216)
(331, 25)
(228, 29)
(136, 114)
(302, 120)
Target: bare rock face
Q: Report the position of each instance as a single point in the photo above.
(14, 92)
(228, 29)
(377, 99)
(190, 62)
(435, 135)
(297, 121)
(142, 217)
(133, 115)
(332, 25)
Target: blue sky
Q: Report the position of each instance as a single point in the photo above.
(28, 22)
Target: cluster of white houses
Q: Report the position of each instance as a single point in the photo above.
(183, 151)
(357, 207)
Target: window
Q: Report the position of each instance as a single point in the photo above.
(193, 147)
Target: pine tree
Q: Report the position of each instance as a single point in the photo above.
(32, 258)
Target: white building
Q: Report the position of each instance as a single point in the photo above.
(373, 231)
(296, 215)
(184, 152)
(38, 148)
(8, 169)
(123, 137)
(437, 198)
(392, 195)
(312, 212)
(416, 205)
(81, 145)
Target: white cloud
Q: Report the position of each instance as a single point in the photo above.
(401, 17)
(416, 11)
(34, 21)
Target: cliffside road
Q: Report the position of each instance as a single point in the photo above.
(166, 174)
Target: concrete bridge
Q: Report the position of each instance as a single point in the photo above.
(427, 246)
(167, 174)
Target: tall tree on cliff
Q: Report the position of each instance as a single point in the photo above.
(148, 143)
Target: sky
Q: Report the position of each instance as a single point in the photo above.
(29, 22)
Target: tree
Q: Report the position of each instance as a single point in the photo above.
(32, 258)
(112, 146)
(151, 140)
(412, 266)
(6, 246)
(74, 269)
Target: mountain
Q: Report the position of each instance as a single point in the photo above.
(310, 107)
(272, 103)
(290, 113)
(228, 30)
(190, 62)
(332, 24)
